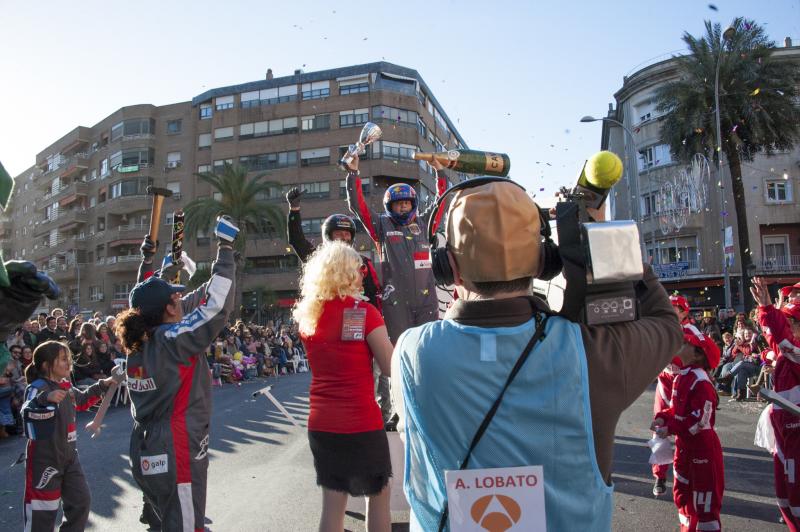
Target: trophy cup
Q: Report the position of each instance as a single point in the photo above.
(369, 134)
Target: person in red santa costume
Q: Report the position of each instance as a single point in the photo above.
(697, 466)
(662, 400)
(781, 328)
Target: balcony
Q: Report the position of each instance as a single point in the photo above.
(676, 270)
(131, 168)
(122, 263)
(127, 204)
(126, 232)
(75, 164)
(65, 218)
(782, 264)
(78, 188)
(62, 272)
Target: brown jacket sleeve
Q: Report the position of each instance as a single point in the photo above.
(624, 358)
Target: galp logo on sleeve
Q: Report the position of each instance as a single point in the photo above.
(154, 465)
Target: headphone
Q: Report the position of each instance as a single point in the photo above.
(440, 265)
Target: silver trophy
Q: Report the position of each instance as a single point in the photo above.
(369, 134)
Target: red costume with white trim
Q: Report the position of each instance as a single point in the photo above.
(697, 466)
(786, 382)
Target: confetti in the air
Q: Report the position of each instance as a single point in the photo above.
(712, 7)
(755, 92)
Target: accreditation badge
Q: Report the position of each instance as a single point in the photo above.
(353, 324)
(414, 228)
(506, 498)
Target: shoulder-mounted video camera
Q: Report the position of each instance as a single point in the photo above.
(602, 261)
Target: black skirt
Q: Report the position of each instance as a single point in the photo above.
(358, 464)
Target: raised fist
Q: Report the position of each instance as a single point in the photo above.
(170, 268)
(148, 247)
(226, 230)
(293, 197)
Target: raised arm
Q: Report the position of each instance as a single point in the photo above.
(146, 267)
(201, 326)
(357, 204)
(294, 227)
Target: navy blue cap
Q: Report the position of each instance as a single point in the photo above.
(152, 295)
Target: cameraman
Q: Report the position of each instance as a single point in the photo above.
(561, 410)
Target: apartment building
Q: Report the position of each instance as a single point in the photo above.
(81, 211)
(690, 257)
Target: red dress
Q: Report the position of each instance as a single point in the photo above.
(342, 393)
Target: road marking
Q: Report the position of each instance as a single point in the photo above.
(749, 497)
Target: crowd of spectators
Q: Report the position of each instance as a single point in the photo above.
(242, 351)
(745, 353)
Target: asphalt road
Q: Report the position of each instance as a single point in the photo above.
(261, 476)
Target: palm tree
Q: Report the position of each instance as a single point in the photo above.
(242, 198)
(757, 113)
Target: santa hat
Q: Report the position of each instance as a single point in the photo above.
(692, 335)
(786, 290)
(680, 302)
(791, 310)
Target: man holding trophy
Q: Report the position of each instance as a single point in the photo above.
(400, 233)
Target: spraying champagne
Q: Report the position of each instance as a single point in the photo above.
(470, 161)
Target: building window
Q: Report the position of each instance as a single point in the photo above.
(267, 128)
(203, 168)
(316, 90)
(122, 290)
(269, 161)
(130, 187)
(316, 190)
(206, 111)
(95, 294)
(224, 102)
(364, 187)
(316, 157)
(173, 159)
(286, 93)
(312, 225)
(648, 204)
(778, 191)
(104, 168)
(116, 132)
(223, 133)
(776, 251)
(219, 165)
(175, 188)
(204, 141)
(354, 88)
(130, 158)
(422, 128)
(394, 150)
(354, 117)
(384, 112)
(174, 126)
(315, 122)
(249, 99)
(654, 156)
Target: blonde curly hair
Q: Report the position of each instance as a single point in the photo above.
(334, 270)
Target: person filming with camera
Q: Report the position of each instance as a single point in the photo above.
(504, 382)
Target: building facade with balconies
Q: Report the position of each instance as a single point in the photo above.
(87, 193)
(690, 255)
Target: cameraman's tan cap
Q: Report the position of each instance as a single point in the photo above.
(494, 232)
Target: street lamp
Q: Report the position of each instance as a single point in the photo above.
(626, 129)
(727, 35)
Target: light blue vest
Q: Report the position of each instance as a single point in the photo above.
(452, 374)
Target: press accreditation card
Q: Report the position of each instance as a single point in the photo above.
(353, 324)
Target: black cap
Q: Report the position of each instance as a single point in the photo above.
(152, 295)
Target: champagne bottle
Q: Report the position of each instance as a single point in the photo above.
(470, 161)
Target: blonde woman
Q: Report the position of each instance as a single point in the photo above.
(342, 334)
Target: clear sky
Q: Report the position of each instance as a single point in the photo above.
(513, 76)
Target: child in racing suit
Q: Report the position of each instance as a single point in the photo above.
(782, 331)
(170, 385)
(663, 398)
(698, 469)
(53, 471)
